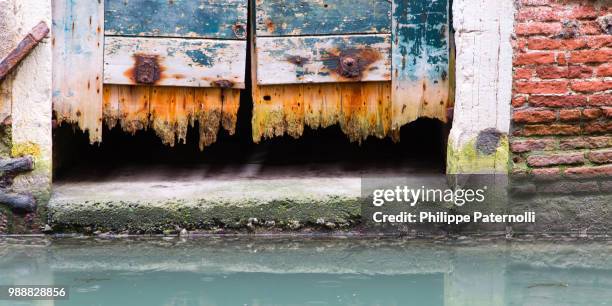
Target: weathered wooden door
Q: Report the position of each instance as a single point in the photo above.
(150, 63)
(370, 66)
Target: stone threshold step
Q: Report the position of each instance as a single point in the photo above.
(159, 204)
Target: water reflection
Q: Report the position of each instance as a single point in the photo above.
(311, 272)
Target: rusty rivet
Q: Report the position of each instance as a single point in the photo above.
(147, 70)
(349, 67)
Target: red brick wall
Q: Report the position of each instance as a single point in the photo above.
(562, 96)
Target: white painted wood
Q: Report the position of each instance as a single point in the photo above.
(78, 36)
(183, 62)
(314, 59)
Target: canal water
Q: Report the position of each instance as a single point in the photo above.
(298, 271)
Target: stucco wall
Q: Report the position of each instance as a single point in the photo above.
(479, 138)
(26, 96)
(31, 89)
(7, 37)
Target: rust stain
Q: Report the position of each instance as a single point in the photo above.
(293, 110)
(297, 60)
(270, 26)
(147, 69)
(361, 109)
(231, 103)
(210, 114)
(223, 83)
(351, 63)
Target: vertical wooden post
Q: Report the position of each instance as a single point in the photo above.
(420, 61)
(78, 43)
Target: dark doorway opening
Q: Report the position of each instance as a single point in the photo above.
(324, 152)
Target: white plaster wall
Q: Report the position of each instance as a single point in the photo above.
(483, 30)
(7, 42)
(31, 93)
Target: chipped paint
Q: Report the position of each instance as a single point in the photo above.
(181, 62)
(323, 59)
(162, 18)
(314, 17)
(322, 63)
(77, 33)
(193, 53)
(420, 37)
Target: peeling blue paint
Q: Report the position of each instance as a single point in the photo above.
(313, 17)
(199, 57)
(420, 39)
(163, 18)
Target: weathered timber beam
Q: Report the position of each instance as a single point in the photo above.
(16, 165)
(26, 45)
(17, 202)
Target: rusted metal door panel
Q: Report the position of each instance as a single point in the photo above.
(421, 53)
(78, 40)
(175, 62)
(331, 17)
(217, 19)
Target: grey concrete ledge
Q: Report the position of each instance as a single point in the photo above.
(154, 206)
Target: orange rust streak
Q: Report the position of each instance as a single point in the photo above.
(313, 102)
(163, 109)
(134, 108)
(361, 109)
(268, 115)
(231, 103)
(352, 120)
(292, 97)
(209, 99)
(331, 105)
(110, 104)
(184, 111)
(170, 110)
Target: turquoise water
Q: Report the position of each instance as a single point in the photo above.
(310, 272)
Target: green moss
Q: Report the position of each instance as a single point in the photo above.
(26, 148)
(468, 160)
(159, 217)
